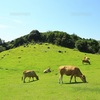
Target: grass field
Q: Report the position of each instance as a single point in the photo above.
(39, 57)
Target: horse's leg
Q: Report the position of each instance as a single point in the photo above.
(32, 78)
(75, 78)
(89, 62)
(71, 78)
(24, 79)
(60, 79)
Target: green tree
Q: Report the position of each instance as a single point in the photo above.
(34, 35)
(2, 48)
(19, 41)
(87, 45)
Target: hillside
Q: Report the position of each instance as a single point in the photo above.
(38, 57)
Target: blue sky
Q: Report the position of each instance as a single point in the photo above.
(19, 17)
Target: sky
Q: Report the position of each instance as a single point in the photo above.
(20, 17)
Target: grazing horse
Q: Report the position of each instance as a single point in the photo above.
(71, 71)
(86, 60)
(30, 74)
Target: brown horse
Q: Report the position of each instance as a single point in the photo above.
(71, 71)
(30, 74)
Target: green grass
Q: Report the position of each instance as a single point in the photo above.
(38, 57)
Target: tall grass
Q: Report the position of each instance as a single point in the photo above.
(38, 57)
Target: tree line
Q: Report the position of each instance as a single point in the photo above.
(55, 37)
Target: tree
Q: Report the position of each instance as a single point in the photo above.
(2, 41)
(87, 45)
(75, 37)
(81, 45)
(34, 35)
(19, 41)
(2, 48)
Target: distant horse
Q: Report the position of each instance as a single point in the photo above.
(86, 60)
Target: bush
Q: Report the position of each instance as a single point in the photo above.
(87, 45)
(2, 48)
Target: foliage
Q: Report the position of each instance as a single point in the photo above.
(1, 41)
(55, 37)
(34, 35)
(87, 45)
(18, 42)
(2, 48)
(58, 38)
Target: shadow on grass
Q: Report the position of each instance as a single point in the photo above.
(75, 83)
(31, 81)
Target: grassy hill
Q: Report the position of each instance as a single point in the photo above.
(39, 57)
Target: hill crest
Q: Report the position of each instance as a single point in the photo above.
(55, 37)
